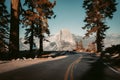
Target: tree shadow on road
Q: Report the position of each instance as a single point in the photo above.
(96, 72)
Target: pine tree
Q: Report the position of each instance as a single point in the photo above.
(14, 28)
(44, 9)
(97, 11)
(28, 21)
(41, 11)
(4, 29)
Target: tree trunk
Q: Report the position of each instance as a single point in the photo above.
(14, 29)
(98, 41)
(41, 41)
(31, 39)
(99, 44)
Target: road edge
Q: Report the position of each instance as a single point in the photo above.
(112, 68)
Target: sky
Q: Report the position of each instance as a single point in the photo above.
(70, 15)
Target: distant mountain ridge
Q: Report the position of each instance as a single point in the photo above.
(65, 40)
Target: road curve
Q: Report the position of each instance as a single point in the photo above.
(69, 75)
(51, 70)
(81, 66)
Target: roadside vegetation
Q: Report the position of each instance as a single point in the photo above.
(112, 55)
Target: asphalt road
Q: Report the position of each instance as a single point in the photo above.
(80, 66)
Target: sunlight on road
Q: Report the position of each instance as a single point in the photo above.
(16, 64)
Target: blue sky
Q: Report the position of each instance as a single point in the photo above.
(70, 15)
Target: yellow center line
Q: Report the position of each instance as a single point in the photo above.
(70, 69)
(67, 72)
(71, 73)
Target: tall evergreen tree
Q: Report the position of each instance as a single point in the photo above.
(4, 29)
(28, 20)
(42, 10)
(45, 11)
(14, 28)
(96, 13)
